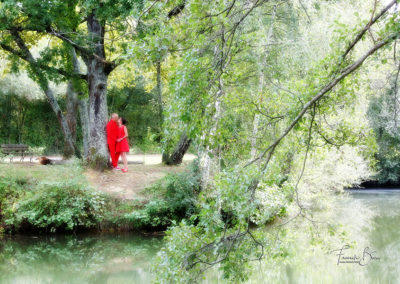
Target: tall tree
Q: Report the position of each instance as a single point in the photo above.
(20, 50)
(79, 24)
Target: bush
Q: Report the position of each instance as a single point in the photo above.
(58, 206)
(10, 189)
(173, 200)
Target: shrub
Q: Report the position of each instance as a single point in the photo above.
(58, 206)
(174, 199)
(10, 189)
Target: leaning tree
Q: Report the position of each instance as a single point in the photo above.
(223, 234)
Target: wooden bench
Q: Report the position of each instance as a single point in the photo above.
(19, 149)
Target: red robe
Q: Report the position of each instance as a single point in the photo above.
(112, 132)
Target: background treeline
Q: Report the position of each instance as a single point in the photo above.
(31, 121)
(383, 114)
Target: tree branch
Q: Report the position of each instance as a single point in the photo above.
(367, 26)
(64, 37)
(329, 86)
(176, 10)
(24, 56)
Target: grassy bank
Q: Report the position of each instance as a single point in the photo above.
(59, 199)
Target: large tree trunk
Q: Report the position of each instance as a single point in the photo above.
(61, 118)
(179, 151)
(209, 166)
(98, 157)
(71, 113)
(84, 118)
(72, 107)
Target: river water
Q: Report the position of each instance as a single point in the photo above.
(371, 220)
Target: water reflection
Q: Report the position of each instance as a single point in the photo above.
(368, 219)
(77, 259)
(385, 235)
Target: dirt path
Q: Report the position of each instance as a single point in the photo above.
(139, 176)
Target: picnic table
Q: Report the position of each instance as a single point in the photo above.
(16, 149)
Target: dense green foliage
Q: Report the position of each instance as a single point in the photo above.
(293, 83)
(59, 206)
(383, 114)
(10, 189)
(31, 122)
(171, 200)
(51, 207)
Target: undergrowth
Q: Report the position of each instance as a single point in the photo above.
(27, 204)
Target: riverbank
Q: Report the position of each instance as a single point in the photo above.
(129, 257)
(68, 198)
(376, 184)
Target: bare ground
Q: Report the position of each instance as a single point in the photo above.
(129, 185)
(139, 176)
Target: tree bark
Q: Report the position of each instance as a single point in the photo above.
(159, 94)
(71, 113)
(72, 107)
(84, 118)
(207, 165)
(98, 71)
(179, 151)
(61, 118)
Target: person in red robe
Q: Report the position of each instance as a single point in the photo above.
(112, 133)
(122, 142)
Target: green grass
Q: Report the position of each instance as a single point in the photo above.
(56, 173)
